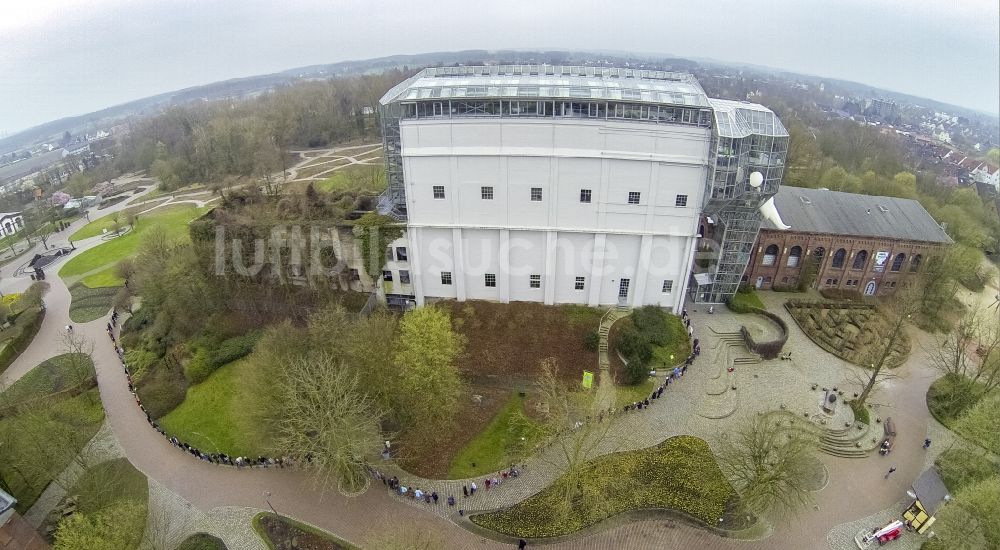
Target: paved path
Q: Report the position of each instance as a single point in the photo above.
(856, 487)
(337, 158)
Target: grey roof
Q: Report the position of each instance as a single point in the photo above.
(551, 81)
(930, 490)
(835, 212)
(740, 119)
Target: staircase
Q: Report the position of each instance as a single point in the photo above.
(841, 442)
(605, 386)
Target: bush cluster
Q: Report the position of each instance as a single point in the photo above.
(679, 474)
(641, 333)
(209, 358)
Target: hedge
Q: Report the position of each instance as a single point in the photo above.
(23, 338)
(207, 359)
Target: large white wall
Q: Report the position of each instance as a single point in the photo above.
(558, 238)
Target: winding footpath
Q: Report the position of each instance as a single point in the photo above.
(856, 488)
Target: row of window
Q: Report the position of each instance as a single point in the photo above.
(400, 254)
(549, 108)
(856, 282)
(404, 276)
(486, 192)
(535, 281)
(839, 257)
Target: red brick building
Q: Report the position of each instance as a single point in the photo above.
(853, 242)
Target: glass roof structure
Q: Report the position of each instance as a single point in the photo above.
(551, 82)
(737, 119)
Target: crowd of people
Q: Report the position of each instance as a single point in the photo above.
(431, 496)
(221, 458)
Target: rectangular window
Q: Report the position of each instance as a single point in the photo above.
(681, 200)
(536, 194)
(487, 192)
(438, 191)
(387, 276)
(446, 277)
(585, 195)
(404, 276)
(633, 197)
(535, 281)
(388, 254)
(401, 253)
(580, 282)
(491, 280)
(355, 275)
(668, 286)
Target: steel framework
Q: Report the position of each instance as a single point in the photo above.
(747, 138)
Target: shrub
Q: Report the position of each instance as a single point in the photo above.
(950, 396)
(591, 342)
(841, 294)
(744, 302)
(26, 327)
(959, 467)
(209, 357)
(163, 388)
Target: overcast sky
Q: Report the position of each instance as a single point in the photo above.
(69, 57)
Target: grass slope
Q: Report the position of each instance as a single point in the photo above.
(173, 219)
(679, 474)
(213, 415)
(488, 451)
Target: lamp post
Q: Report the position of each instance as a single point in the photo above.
(267, 499)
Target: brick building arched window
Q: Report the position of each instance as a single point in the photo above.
(915, 263)
(897, 262)
(793, 256)
(770, 255)
(860, 259)
(838, 258)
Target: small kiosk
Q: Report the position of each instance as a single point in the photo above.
(928, 494)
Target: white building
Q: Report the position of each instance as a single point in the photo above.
(10, 223)
(553, 184)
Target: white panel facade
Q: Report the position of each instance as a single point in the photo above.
(516, 198)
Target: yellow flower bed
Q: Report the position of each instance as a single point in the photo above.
(679, 474)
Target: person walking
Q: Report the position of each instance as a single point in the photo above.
(927, 443)
(889, 473)
(521, 544)
(472, 488)
(465, 491)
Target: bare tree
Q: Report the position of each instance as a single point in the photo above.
(972, 349)
(770, 466)
(78, 358)
(895, 313)
(576, 431)
(327, 422)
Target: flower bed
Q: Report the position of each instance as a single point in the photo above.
(679, 474)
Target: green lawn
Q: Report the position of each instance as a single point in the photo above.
(88, 303)
(489, 451)
(98, 226)
(679, 474)
(38, 444)
(104, 278)
(159, 192)
(56, 374)
(626, 395)
(213, 415)
(173, 218)
(357, 177)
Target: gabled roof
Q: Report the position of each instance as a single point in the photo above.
(930, 490)
(839, 213)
